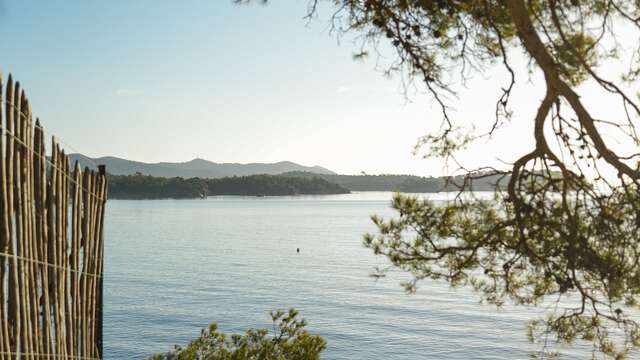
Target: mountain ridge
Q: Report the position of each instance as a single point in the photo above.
(193, 168)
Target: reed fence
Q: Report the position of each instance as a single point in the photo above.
(51, 242)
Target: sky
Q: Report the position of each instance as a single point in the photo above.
(175, 80)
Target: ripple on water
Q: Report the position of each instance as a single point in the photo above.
(172, 267)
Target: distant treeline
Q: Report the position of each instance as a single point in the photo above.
(408, 183)
(140, 186)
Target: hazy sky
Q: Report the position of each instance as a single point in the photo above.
(174, 80)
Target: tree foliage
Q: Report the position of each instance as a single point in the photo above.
(289, 341)
(409, 183)
(573, 238)
(273, 185)
(149, 187)
(140, 186)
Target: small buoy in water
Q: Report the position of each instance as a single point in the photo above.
(298, 250)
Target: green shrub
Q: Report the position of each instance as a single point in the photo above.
(289, 341)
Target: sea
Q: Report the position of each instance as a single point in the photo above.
(174, 266)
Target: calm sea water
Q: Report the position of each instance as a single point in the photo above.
(174, 266)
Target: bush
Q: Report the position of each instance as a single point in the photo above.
(290, 341)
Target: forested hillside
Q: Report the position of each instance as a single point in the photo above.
(405, 183)
(140, 186)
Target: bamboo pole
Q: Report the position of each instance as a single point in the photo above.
(20, 209)
(45, 198)
(91, 261)
(12, 305)
(26, 193)
(65, 249)
(19, 242)
(18, 279)
(60, 272)
(31, 254)
(75, 244)
(40, 179)
(49, 248)
(100, 261)
(4, 236)
(92, 279)
(52, 243)
(92, 265)
(97, 195)
(33, 245)
(60, 251)
(37, 162)
(26, 243)
(86, 243)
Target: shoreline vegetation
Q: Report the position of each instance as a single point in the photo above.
(145, 187)
(409, 183)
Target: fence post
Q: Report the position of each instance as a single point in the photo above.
(100, 318)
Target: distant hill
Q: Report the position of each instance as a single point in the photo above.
(192, 172)
(405, 183)
(195, 168)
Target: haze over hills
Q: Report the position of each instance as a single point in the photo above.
(407, 183)
(195, 168)
(198, 177)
